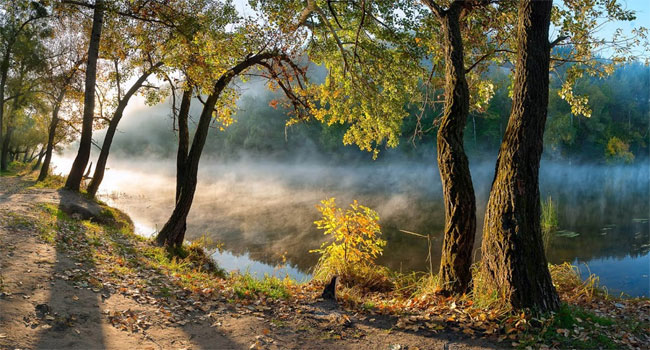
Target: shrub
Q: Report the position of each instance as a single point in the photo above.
(355, 246)
(618, 151)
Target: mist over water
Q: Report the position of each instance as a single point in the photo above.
(262, 210)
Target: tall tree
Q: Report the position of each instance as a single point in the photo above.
(513, 260)
(123, 101)
(19, 26)
(131, 45)
(66, 49)
(172, 233)
(83, 154)
(213, 47)
(458, 191)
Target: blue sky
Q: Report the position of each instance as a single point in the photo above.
(642, 9)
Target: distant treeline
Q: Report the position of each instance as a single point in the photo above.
(616, 132)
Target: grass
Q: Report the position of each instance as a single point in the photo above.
(567, 281)
(572, 327)
(121, 252)
(53, 181)
(16, 169)
(251, 287)
(548, 221)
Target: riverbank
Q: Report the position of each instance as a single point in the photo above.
(74, 283)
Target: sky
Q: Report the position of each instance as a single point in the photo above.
(642, 9)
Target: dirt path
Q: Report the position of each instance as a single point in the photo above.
(42, 307)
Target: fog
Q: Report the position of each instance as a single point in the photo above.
(264, 210)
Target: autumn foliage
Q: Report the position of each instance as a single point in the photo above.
(356, 243)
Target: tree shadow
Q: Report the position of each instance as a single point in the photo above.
(73, 310)
(118, 299)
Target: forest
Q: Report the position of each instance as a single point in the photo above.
(424, 174)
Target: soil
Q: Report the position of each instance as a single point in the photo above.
(41, 309)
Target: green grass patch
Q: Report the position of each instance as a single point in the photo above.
(51, 181)
(16, 169)
(249, 287)
(572, 327)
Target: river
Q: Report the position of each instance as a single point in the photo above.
(262, 212)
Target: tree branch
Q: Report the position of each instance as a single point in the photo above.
(558, 40)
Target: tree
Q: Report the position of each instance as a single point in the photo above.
(216, 57)
(18, 26)
(513, 260)
(67, 56)
(458, 192)
(131, 46)
(83, 154)
(27, 73)
(172, 233)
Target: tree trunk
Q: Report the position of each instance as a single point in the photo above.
(31, 155)
(4, 70)
(50, 137)
(4, 153)
(26, 154)
(81, 160)
(513, 260)
(460, 204)
(41, 153)
(100, 168)
(183, 141)
(173, 232)
(183, 146)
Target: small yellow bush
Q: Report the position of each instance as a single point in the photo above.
(355, 246)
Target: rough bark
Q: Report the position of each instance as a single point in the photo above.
(50, 137)
(513, 260)
(458, 192)
(83, 154)
(173, 232)
(100, 168)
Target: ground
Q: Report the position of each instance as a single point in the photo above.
(54, 296)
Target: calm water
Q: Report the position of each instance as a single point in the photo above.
(264, 212)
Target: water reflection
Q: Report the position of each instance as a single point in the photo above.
(262, 211)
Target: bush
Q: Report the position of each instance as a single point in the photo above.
(355, 246)
(618, 151)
